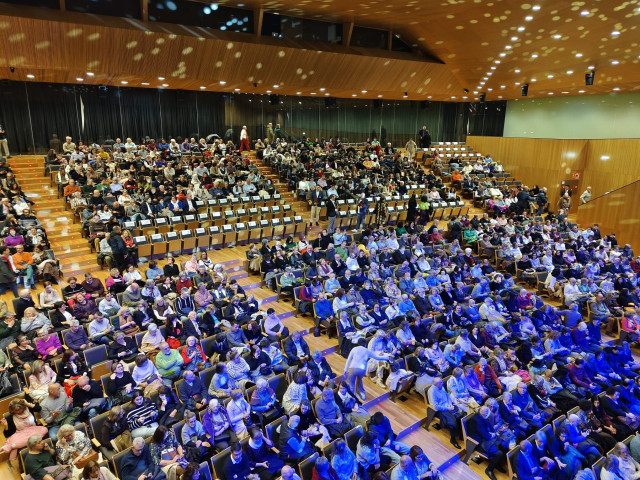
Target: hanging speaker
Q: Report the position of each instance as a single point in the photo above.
(330, 102)
(377, 103)
(483, 97)
(588, 77)
(524, 89)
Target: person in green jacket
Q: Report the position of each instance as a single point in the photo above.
(169, 363)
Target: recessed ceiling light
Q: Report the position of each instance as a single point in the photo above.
(517, 70)
(549, 76)
(591, 67)
(490, 89)
(222, 82)
(503, 86)
(514, 39)
(493, 67)
(429, 96)
(275, 86)
(565, 92)
(326, 94)
(550, 93)
(268, 91)
(580, 91)
(475, 92)
(499, 96)
(557, 36)
(236, 89)
(453, 96)
(507, 47)
(533, 79)
(502, 54)
(160, 78)
(482, 83)
(313, 93)
(485, 78)
(614, 62)
(615, 33)
(165, 85)
(379, 96)
(89, 74)
(534, 55)
(528, 18)
(364, 91)
(535, 8)
(584, 13)
(298, 93)
(202, 87)
(124, 82)
(322, 89)
(517, 83)
(465, 97)
(569, 72)
(31, 76)
(616, 89)
(578, 55)
(496, 61)
(354, 95)
(79, 79)
(521, 29)
(144, 83)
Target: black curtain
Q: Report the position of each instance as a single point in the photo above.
(32, 112)
(487, 119)
(449, 120)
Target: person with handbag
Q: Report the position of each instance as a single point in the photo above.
(74, 448)
(146, 375)
(115, 435)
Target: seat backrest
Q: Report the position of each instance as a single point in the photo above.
(23, 453)
(205, 471)
(271, 430)
(218, 462)
(306, 466)
(177, 430)
(95, 355)
(96, 425)
(117, 461)
(353, 436)
(206, 376)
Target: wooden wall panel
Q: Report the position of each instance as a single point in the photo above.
(616, 212)
(605, 165)
(542, 162)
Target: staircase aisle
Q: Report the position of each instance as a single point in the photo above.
(65, 237)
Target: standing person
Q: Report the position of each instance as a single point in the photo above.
(270, 135)
(118, 249)
(4, 144)
(584, 198)
(244, 139)
(331, 214)
(7, 273)
(315, 200)
(363, 210)
(356, 368)
(411, 149)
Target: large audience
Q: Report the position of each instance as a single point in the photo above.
(448, 314)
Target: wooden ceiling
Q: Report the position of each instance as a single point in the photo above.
(548, 45)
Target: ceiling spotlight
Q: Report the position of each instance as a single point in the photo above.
(298, 93)
(580, 91)
(493, 67)
(584, 13)
(165, 85)
(354, 95)
(550, 93)
(569, 72)
(557, 36)
(514, 39)
(507, 47)
(124, 82)
(533, 79)
(578, 55)
(502, 54)
(615, 33)
(496, 61)
(89, 74)
(364, 91)
(236, 89)
(268, 91)
(322, 89)
(406, 94)
(144, 83)
(535, 8)
(614, 62)
(517, 70)
(31, 76)
(379, 96)
(202, 87)
(616, 89)
(503, 86)
(160, 78)
(275, 86)
(591, 67)
(549, 76)
(589, 76)
(521, 29)
(79, 79)
(528, 18)
(222, 82)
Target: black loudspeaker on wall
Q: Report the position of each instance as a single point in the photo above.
(377, 103)
(524, 89)
(330, 102)
(588, 78)
(274, 99)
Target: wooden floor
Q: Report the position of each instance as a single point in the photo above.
(406, 415)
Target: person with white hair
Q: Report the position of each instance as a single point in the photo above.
(137, 463)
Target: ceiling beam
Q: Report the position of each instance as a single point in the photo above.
(144, 10)
(258, 15)
(347, 31)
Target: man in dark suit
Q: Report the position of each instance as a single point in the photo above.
(481, 430)
(331, 214)
(148, 209)
(422, 303)
(296, 349)
(527, 464)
